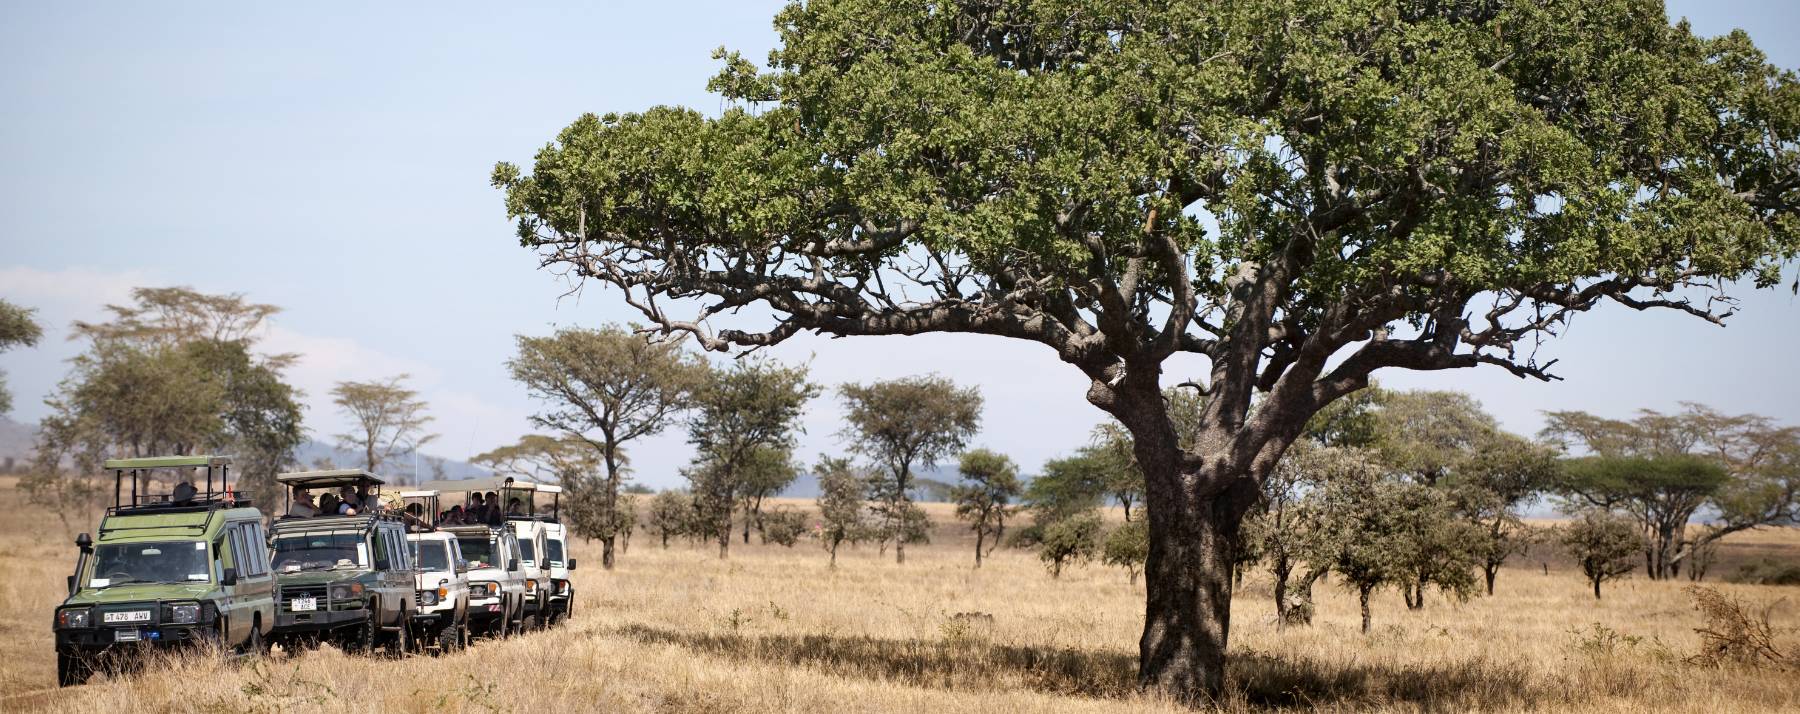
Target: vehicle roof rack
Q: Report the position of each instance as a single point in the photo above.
(328, 478)
(140, 470)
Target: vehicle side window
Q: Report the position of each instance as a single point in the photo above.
(248, 550)
(384, 550)
(403, 555)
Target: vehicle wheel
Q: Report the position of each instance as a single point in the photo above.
(71, 669)
(254, 645)
(398, 642)
(361, 639)
(455, 639)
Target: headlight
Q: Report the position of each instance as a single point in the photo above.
(428, 597)
(182, 614)
(346, 591)
(482, 590)
(73, 617)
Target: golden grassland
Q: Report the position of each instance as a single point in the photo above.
(774, 629)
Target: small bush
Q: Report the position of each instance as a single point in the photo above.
(1735, 633)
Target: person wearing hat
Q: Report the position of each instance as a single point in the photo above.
(302, 505)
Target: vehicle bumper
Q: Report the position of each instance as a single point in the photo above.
(95, 639)
(486, 611)
(323, 620)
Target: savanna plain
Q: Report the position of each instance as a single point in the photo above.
(774, 629)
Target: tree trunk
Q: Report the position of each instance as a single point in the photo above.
(834, 547)
(1188, 591)
(1489, 572)
(610, 502)
(979, 538)
(1362, 599)
(1596, 588)
(1418, 597)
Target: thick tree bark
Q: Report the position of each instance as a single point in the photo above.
(979, 538)
(610, 503)
(1193, 541)
(1596, 588)
(1489, 572)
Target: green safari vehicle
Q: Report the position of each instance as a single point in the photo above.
(182, 568)
(345, 578)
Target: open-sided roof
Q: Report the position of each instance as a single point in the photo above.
(168, 462)
(484, 483)
(328, 478)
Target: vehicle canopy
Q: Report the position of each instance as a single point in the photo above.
(536, 501)
(356, 480)
(185, 490)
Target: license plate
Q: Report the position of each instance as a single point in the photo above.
(133, 616)
(305, 604)
(130, 635)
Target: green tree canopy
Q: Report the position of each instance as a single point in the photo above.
(907, 422)
(18, 328)
(1393, 184)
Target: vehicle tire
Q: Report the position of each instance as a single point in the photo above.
(361, 639)
(398, 642)
(254, 645)
(72, 669)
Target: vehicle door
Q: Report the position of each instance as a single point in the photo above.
(393, 579)
(254, 591)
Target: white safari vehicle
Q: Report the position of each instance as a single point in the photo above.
(441, 620)
(562, 589)
(496, 579)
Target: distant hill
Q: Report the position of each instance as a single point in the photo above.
(16, 440)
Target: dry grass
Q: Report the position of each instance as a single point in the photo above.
(775, 630)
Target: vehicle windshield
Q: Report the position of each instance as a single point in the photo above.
(160, 562)
(431, 555)
(478, 551)
(553, 550)
(319, 551)
(527, 550)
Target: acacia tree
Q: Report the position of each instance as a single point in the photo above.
(992, 484)
(669, 514)
(766, 474)
(1604, 544)
(606, 387)
(17, 328)
(903, 423)
(1504, 472)
(173, 372)
(738, 414)
(1417, 186)
(386, 414)
(1661, 469)
(840, 504)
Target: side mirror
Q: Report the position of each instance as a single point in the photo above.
(462, 566)
(229, 577)
(71, 585)
(512, 565)
(571, 563)
(85, 543)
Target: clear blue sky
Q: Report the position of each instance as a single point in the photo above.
(334, 161)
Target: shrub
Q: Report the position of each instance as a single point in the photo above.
(1735, 633)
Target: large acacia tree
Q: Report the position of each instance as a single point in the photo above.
(1299, 193)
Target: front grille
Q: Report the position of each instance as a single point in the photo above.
(285, 596)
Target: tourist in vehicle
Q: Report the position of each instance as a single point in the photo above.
(515, 507)
(183, 494)
(302, 505)
(493, 516)
(454, 517)
(473, 513)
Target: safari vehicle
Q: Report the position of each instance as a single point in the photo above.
(496, 579)
(342, 578)
(186, 567)
(523, 509)
(562, 589)
(441, 617)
